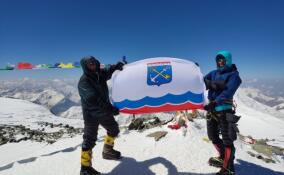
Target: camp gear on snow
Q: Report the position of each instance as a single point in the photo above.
(158, 135)
(180, 120)
(175, 126)
(247, 139)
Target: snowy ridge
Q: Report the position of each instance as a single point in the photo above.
(56, 95)
(242, 97)
(74, 112)
(279, 107)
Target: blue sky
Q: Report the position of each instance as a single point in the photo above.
(50, 31)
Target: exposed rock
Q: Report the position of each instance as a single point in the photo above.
(158, 135)
(136, 124)
(143, 123)
(9, 133)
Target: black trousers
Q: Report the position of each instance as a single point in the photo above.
(216, 124)
(91, 124)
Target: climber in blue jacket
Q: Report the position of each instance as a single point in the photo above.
(222, 84)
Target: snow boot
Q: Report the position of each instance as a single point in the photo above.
(86, 163)
(86, 158)
(225, 172)
(218, 161)
(108, 151)
(88, 171)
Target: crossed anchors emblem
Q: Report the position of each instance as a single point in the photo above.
(159, 74)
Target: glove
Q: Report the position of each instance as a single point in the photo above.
(215, 85)
(210, 107)
(115, 110)
(119, 66)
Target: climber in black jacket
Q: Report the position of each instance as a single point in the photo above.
(97, 110)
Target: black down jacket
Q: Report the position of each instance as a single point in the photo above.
(93, 89)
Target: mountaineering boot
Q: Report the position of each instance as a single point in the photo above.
(218, 161)
(86, 163)
(228, 164)
(108, 151)
(88, 171)
(225, 172)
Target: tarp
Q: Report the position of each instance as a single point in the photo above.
(158, 85)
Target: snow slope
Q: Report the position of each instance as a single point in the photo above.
(259, 123)
(279, 107)
(56, 95)
(174, 154)
(243, 100)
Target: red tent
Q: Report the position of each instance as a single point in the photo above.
(24, 65)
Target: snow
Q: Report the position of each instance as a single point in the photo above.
(56, 95)
(256, 93)
(256, 122)
(174, 154)
(279, 107)
(245, 102)
(21, 112)
(73, 112)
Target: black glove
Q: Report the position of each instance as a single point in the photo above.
(210, 107)
(115, 110)
(215, 85)
(119, 66)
